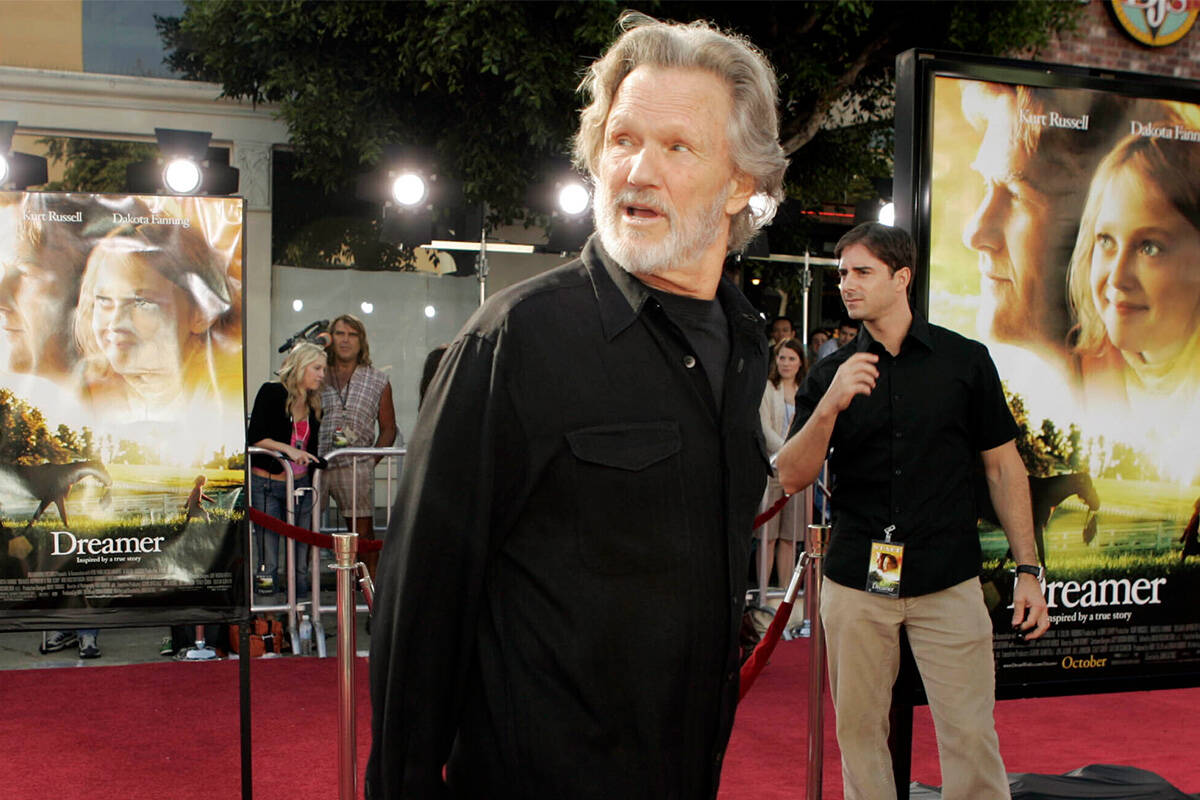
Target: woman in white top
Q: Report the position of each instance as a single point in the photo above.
(776, 410)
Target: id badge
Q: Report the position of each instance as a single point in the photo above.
(883, 572)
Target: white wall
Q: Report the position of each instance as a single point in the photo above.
(397, 328)
(399, 333)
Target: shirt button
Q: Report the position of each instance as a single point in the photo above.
(897, 472)
(689, 361)
(896, 510)
(899, 434)
(717, 759)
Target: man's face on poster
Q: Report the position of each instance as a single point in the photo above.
(38, 290)
(1023, 230)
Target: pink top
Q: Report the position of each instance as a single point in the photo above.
(300, 433)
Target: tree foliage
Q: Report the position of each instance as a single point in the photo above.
(1046, 450)
(94, 165)
(486, 88)
(489, 87)
(26, 439)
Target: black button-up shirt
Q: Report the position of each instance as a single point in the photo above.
(562, 585)
(905, 455)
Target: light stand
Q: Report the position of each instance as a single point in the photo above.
(481, 263)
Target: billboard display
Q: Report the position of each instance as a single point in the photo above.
(122, 412)
(1057, 214)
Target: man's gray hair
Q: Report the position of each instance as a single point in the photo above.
(753, 123)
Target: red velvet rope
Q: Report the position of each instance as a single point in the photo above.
(305, 536)
(762, 518)
(758, 659)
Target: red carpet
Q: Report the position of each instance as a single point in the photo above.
(170, 730)
(1156, 731)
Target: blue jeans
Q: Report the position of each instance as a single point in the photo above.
(269, 496)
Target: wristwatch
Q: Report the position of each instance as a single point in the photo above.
(1036, 570)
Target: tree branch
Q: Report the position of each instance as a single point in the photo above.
(801, 132)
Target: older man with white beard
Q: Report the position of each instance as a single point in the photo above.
(590, 448)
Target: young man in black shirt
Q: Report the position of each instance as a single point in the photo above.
(903, 414)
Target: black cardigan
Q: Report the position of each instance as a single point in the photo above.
(269, 419)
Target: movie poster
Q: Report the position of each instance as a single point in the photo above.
(1064, 233)
(122, 419)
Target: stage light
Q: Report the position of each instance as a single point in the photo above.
(184, 167)
(430, 312)
(297, 305)
(367, 307)
(406, 184)
(182, 176)
(573, 198)
(18, 170)
(562, 194)
(762, 208)
(409, 189)
(887, 214)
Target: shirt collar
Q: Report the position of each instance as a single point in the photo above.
(918, 330)
(622, 297)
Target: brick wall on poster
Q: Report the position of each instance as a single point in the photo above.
(1099, 41)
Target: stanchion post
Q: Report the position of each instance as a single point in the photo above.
(814, 545)
(346, 550)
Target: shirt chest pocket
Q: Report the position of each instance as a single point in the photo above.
(628, 483)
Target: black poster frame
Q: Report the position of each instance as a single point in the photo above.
(916, 71)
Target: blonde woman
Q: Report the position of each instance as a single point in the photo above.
(1135, 280)
(775, 413)
(286, 418)
(157, 325)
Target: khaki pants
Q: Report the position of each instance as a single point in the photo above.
(951, 638)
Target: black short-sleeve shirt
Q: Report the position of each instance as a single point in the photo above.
(905, 455)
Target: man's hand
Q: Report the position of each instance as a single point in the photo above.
(854, 377)
(1030, 614)
(799, 460)
(19, 547)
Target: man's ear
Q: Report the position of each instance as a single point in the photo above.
(741, 188)
(905, 275)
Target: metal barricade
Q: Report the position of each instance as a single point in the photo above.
(389, 454)
(291, 604)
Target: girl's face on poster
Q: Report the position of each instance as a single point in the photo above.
(1145, 274)
(140, 319)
